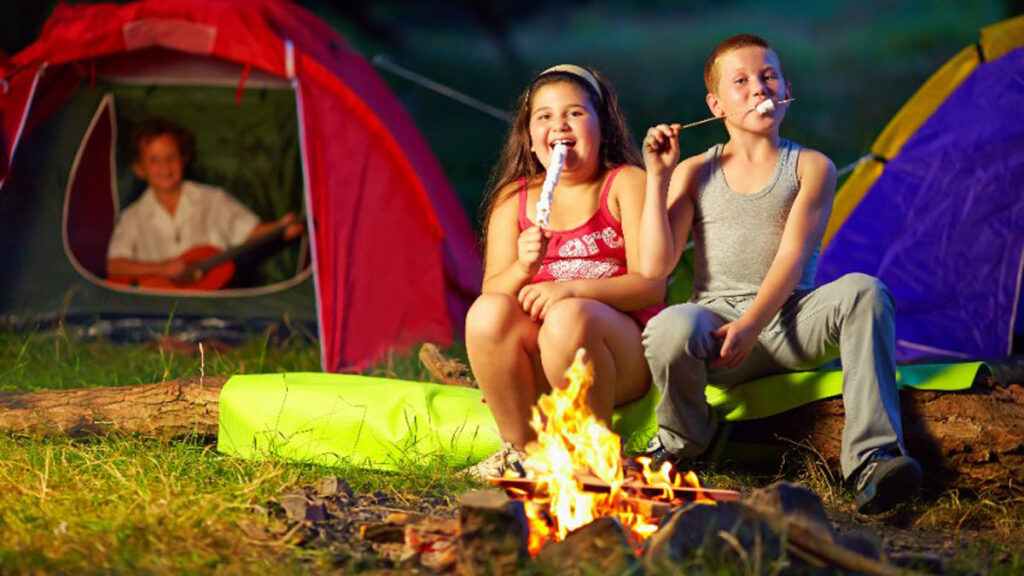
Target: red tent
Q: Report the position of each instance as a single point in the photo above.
(394, 256)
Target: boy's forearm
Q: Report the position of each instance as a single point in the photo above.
(655, 240)
(778, 285)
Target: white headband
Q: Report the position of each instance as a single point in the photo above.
(578, 71)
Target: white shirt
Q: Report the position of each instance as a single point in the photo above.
(205, 215)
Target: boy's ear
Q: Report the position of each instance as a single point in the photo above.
(789, 90)
(714, 105)
(138, 171)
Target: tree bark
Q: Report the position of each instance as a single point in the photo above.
(182, 407)
(970, 439)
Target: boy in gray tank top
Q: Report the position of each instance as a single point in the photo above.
(758, 206)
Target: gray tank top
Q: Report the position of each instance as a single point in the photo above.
(737, 235)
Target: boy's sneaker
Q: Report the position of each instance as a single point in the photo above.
(658, 454)
(495, 465)
(886, 479)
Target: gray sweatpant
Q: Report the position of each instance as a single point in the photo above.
(851, 317)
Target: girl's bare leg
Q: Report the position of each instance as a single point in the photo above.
(501, 341)
(612, 341)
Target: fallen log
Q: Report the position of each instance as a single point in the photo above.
(182, 407)
(970, 439)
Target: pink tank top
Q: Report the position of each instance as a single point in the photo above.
(594, 249)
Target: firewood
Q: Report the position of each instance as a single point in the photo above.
(382, 532)
(591, 483)
(445, 370)
(434, 541)
(493, 534)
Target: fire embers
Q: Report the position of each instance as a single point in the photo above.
(575, 472)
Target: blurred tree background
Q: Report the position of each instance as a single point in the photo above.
(852, 64)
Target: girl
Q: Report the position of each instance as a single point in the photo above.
(547, 293)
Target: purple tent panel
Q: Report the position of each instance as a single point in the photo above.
(943, 226)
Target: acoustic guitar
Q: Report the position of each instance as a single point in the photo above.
(209, 267)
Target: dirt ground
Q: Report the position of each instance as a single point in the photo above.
(943, 536)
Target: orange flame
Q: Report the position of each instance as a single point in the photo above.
(572, 444)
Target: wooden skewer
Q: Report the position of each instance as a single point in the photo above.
(706, 120)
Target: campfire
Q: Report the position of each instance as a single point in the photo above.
(576, 474)
(581, 508)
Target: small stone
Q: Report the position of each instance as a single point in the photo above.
(796, 503)
(295, 505)
(597, 548)
(333, 486)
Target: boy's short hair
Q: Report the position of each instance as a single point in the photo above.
(734, 42)
(153, 127)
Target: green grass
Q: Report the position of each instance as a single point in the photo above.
(57, 359)
(127, 505)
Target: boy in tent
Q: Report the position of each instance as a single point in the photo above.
(758, 206)
(174, 214)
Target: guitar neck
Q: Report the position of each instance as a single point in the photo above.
(247, 246)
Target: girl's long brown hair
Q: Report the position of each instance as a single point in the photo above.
(517, 161)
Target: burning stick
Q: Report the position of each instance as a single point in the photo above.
(764, 108)
(550, 181)
(595, 485)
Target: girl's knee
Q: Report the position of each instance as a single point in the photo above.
(567, 323)
(490, 317)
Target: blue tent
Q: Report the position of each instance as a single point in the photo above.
(938, 211)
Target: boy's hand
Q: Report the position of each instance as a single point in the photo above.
(533, 245)
(738, 339)
(175, 269)
(661, 149)
(293, 226)
(536, 299)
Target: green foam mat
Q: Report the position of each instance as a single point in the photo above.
(358, 420)
(387, 424)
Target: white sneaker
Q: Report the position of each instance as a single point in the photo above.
(507, 458)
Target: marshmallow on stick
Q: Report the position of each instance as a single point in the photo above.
(764, 108)
(550, 180)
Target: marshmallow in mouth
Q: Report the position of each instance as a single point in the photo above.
(765, 108)
(560, 149)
